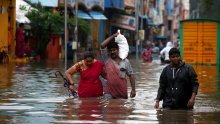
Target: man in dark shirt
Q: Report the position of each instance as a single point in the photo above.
(178, 84)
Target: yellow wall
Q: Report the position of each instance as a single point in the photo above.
(4, 23)
(200, 42)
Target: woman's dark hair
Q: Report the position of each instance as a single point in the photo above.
(112, 44)
(88, 54)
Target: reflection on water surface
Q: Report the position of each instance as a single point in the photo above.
(29, 93)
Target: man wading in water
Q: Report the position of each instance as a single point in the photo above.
(116, 71)
(178, 84)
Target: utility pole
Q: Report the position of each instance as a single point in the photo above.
(141, 25)
(65, 36)
(76, 30)
(137, 25)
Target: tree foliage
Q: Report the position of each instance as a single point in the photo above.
(45, 23)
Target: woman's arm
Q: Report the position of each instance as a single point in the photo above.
(70, 72)
(103, 73)
(106, 41)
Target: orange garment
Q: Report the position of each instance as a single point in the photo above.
(116, 86)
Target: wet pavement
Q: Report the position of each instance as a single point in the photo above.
(30, 94)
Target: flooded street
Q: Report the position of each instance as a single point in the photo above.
(31, 94)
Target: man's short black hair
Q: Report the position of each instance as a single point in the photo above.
(112, 44)
(174, 51)
(21, 24)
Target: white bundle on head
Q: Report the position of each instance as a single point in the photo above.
(123, 45)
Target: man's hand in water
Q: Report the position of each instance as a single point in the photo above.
(157, 104)
(133, 93)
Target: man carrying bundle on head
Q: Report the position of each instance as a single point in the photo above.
(117, 67)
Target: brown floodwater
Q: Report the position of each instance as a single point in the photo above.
(30, 94)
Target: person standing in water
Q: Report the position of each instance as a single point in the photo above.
(20, 41)
(89, 69)
(178, 84)
(165, 52)
(116, 71)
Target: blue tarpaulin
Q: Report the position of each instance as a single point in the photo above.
(97, 15)
(90, 15)
(81, 14)
(118, 4)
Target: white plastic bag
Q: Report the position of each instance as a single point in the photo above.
(123, 45)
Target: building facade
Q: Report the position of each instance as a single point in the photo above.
(8, 25)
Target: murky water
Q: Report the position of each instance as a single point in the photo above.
(30, 94)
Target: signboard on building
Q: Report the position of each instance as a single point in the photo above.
(88, 3)
(91, 3)
(123, 21)
(129, 3)
(141, 34)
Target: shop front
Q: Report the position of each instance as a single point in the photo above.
(92, 12)
(126, 24)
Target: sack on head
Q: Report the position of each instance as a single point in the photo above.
(123, 45)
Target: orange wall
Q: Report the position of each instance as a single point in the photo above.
(200, 42)
(4, 22)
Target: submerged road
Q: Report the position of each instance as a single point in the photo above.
(30, 94)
